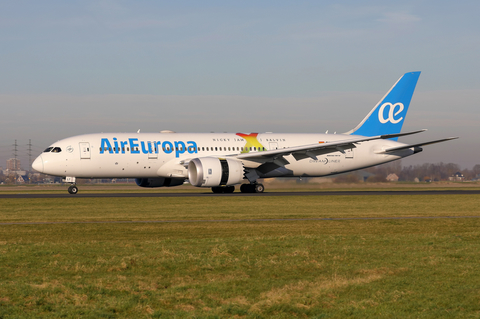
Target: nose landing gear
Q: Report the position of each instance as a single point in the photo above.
(73, 189)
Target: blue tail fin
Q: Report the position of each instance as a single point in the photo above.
(388, 115)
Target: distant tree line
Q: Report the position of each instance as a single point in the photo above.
(437, 172)
(422, 172)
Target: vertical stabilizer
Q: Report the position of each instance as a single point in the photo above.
(388, 115)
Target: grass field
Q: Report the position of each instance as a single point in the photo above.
(388, 268)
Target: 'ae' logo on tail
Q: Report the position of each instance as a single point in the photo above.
(391, 113)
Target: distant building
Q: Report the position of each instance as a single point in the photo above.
(392, 178)
(457, 177)
(13, 164)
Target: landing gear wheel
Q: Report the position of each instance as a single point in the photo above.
(73, 189)
(247, 188)
(217, 189)
(223, 189)
(259, 188)
(229, 189)
(252, 188)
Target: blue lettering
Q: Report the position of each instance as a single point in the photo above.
(133, 146)
(144, 150)
(147, 147)
(105, 144)
(179, 148)
(192, 147)
(123, 146)
(115, 143)
(167, 147)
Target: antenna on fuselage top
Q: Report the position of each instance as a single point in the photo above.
(138, 131)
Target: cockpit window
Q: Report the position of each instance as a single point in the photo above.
(53, 150)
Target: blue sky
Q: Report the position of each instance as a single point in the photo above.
(74, 67)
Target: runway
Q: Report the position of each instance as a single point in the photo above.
(238, 194)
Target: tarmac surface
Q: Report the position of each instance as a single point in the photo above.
(236, 194)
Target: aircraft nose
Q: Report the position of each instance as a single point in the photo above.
(38, 164)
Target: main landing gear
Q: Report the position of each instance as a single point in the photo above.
(252, 188)
(73, 189)
(223, 189)
(244, 188)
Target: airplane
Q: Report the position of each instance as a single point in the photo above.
(222, 160)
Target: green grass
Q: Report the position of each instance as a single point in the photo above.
(416, 268)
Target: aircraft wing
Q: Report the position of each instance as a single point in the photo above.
(312, 150)
(403, 147)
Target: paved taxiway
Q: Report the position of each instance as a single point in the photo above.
(209, 194)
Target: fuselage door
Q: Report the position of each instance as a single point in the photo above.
(273, 145)
(152, 150)
(85, 150)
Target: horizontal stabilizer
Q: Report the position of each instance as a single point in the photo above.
(404, 147)
(401, 134)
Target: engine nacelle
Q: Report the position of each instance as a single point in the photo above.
(159, 182)
(212, 171)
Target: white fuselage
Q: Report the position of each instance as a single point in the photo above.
(142, 155)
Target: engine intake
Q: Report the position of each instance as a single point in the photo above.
(212, 171)
(159, 182)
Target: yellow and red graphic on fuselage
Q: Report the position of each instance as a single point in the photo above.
(251, 141)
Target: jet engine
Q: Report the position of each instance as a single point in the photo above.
(212, 171)
(159, 182)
